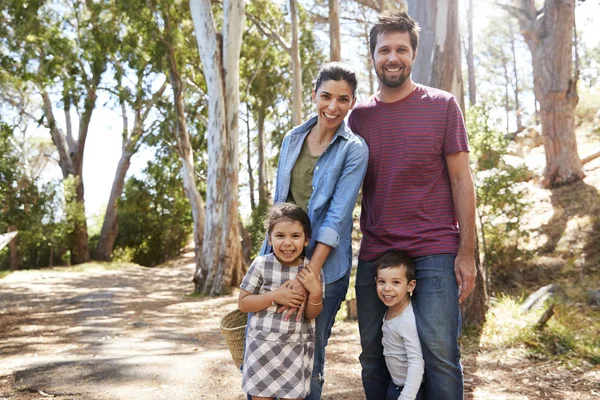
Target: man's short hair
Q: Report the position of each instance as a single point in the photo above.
(398, 22)
(396, 259)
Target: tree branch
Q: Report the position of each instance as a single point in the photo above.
(268, 32)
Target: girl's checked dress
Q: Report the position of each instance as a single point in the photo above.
(278, 360)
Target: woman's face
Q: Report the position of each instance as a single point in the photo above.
(333, 99)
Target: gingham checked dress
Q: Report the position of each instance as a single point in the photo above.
(279, 354)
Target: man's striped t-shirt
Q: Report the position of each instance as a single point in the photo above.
(407, 199)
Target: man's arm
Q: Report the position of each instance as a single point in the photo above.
(463, 197)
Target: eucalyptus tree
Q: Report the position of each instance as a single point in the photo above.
(548, 32)
(222, 263)
(61, 49)
(180, 61)
(137, 63)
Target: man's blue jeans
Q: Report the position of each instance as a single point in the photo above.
(435, 303)
(335, 293)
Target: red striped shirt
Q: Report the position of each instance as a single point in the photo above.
(407, 199)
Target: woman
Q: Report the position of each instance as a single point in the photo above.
(321, 168)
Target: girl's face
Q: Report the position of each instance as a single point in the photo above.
(288, 241)
(333, 99)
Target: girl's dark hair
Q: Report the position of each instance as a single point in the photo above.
(396, 259)
(336, 71)
(287, 212)
(399, 22)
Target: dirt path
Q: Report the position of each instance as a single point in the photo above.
(133, 334)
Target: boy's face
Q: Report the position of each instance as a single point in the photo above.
(392, 286)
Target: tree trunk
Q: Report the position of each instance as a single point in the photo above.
(186, 154)
(264, 197)
(335, 46)
(438, 65)
(470, 61)
(296, 68)
(516, 79)
(248, 160)
(110, 227)
(473, 309)
(222, 263)
(70, 153)
(549, 36)
(438, 62)
(15, 262)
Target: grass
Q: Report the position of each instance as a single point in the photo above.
(570, 336)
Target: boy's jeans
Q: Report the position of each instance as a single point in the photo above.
(435, 303)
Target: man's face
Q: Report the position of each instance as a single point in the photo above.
(393, 58)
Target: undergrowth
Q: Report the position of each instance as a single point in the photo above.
(570, 336)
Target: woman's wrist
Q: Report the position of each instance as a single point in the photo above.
(315, 300)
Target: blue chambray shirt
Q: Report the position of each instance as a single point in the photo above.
(337, 178)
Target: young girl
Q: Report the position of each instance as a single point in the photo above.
(278, 360)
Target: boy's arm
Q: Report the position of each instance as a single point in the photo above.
(416, 365)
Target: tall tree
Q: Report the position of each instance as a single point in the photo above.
(62, 50)
(438, 65)
(173, 17)
(549, 35)
(137, 58)
(222, 263)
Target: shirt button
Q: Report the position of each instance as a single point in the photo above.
(316, 167)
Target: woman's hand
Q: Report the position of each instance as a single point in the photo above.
(309, 279)
(293, 284)
(288, 296)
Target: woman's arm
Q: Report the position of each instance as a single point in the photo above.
(250, 302)
(344, 197)
(311, 281)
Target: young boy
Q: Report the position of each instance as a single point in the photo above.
(401, 347)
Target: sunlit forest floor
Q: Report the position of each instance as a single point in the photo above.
(110, 331)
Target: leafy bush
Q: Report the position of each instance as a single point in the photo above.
(501, 193)
(155, 219)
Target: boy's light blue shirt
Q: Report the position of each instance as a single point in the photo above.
(337, 178)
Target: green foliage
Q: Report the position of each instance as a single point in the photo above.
(570, 335)
(501, 193)
(155, 219)
(32, 209)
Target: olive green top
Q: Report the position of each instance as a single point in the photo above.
(302, 175)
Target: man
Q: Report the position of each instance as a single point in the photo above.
(418, 197)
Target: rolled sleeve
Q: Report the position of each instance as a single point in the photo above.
(346, 192)
(328, 236)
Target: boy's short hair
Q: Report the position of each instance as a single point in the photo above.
(396, 259)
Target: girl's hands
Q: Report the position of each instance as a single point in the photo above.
(287, 296)
(309, 280)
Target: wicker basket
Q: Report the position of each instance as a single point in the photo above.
(233, 326)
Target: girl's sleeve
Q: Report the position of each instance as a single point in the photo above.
(253, 280)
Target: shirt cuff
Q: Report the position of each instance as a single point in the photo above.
(328, 236)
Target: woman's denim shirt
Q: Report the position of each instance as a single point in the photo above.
(337, 177)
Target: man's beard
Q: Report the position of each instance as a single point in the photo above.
(397, 82)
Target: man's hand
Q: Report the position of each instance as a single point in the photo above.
(295, 285)
(466, 272)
